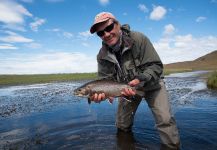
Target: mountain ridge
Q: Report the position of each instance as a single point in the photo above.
(206, 62)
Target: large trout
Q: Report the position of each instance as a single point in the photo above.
(109, 87)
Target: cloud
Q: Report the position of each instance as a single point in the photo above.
(16, 27)
(7, 46)
(33, 45)
(61, 33)
(85, 35)
(12, 13)
(59, 62)
(169, 29)
(38, 22)
(158, 13)
(85, 44)
(184, 47)
(143, 8)
(67, 35)
(13, 37)
(200, 19)
(104, 2)
(54, 30)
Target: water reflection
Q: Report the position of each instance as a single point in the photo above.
(125, 141)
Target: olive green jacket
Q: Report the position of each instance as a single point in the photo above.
(138, 60)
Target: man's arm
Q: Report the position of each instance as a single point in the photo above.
(151, 67)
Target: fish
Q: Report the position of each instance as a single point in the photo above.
(111, 88)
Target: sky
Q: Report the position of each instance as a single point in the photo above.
(52, 36)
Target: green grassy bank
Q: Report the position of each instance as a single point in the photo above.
(212, 80)
(6, 80)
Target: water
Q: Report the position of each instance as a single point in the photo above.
(48, 116)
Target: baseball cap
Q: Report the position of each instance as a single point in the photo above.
(101, 17)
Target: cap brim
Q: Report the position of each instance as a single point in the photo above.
(93, 27)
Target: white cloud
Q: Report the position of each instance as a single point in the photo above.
(59, 62)
(16, 27)
(54, 30)
(67, 35)
(13, 37)
(158, 13)
(85, 35)
(61, 33)
(184, 47)
(38, 22)
(85, 44)
(143, 8)
(169, 29)
(104, 2)
(12, 13)
(200, 19)
(33, 45)
(7, 46)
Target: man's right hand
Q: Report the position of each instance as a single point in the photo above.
(97, 98)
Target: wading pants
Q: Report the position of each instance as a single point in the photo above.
(158, 102)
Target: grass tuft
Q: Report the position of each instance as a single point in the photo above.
(212, 80)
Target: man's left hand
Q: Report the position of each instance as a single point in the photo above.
(134, 82)
(129, 91)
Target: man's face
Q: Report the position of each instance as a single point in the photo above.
(109, 32)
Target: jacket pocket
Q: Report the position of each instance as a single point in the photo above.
(131, 68)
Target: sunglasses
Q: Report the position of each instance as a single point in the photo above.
(107, 29)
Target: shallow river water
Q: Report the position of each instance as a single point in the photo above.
(48, 116)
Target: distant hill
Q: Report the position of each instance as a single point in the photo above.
(206, 62)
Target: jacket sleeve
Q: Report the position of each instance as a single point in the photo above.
(104, 70)
(150, 68)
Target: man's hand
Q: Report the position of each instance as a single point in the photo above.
(97, 98)
(134, 82)
(129, 91)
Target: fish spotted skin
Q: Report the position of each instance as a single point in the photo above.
(109, 87)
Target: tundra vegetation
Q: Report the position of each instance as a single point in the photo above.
(8, 80)
(212, 80)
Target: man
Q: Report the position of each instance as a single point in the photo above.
(128, 56)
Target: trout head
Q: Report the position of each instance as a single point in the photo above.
(82, 92)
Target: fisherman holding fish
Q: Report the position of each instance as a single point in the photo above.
(129, 57)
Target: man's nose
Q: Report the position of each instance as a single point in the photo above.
(106, 34)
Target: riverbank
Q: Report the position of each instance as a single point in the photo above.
(212, 80)
(10, 80)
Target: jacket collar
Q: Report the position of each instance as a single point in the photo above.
(105, 52)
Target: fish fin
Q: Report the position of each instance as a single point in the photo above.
(126, 99)
(89, 100)
(110, 100)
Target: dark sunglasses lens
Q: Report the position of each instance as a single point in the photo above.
(109, 28)
(100, 33)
